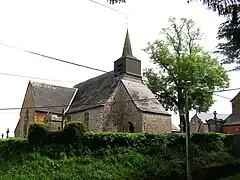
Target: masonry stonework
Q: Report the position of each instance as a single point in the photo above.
(95, 122)
(196, 125)
(28, 102)
(120, 111)
(156, 123)
(236, 105)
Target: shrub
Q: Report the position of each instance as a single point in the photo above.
(55, 137)
(209, 141)
(131, 155)
(38, 134)
(73, 131)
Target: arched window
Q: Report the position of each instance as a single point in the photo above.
(130, 127)
(86, 118)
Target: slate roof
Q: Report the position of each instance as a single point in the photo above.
(97, 91)
(46, 95)
(206, 116)
(232, 119)
(143, 98)
(94, 92)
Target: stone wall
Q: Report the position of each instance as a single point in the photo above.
(17, 130)
(156, 123)
(120, 111)
(236, 104)
(95, 122)
(196, 125)
(28, 102)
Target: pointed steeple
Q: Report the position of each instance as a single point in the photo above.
(127, 49)
(127, 64)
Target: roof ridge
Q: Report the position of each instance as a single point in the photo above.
(41, 83)
(93, 78)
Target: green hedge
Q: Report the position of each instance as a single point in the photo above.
(141, 155)
(40, 134)
(76, 133)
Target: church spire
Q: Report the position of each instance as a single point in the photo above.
(127, 49)
(127, 64)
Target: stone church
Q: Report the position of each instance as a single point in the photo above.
(116, 101)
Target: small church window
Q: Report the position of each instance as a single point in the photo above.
(86, 118)
(130, 127)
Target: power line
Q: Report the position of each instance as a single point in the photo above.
(56, 59)
(97, 69)
(224, 90)
(222, 96)
(103, 5)
(58, 106)
(38, 78)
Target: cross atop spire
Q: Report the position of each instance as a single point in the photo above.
(127, 49)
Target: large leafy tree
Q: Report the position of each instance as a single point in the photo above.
(229, 31)
(181, 63)
(229, 34)
(216, 5)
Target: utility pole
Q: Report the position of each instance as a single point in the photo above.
(189, 168)
(215, 120)
(63, 116)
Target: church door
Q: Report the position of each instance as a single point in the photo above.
(130, 127)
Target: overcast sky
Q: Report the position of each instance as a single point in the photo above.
(85, 33)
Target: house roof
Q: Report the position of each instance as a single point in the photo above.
(143, 98)
(233, 119)
(51, 97)
(206, 116)
(94, 92)
(235, 97)
(97, 91)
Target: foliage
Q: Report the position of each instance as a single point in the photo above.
(119, 156)
(221, 6)
(229, 33)
(73, 131)
(116, 1)
(183, 64)
(41, 134)
(37, 133)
